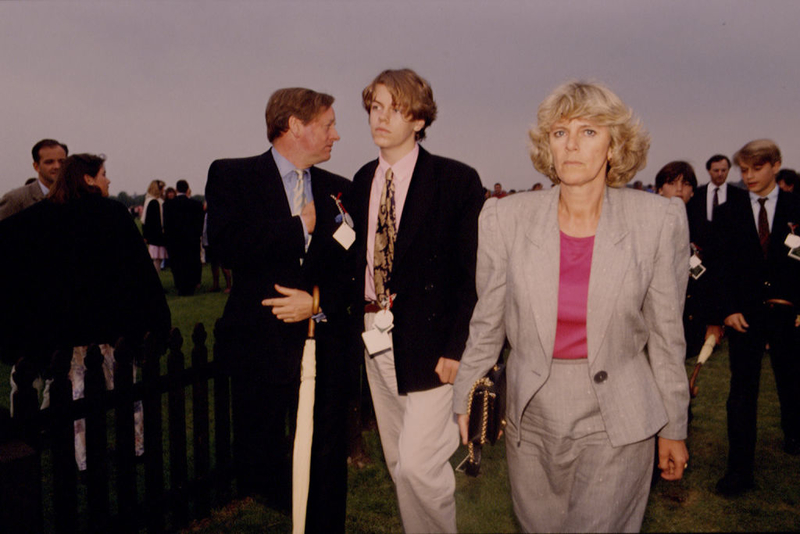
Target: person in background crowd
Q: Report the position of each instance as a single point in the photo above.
(48, 157)
(416, 218)
(183, 230)
(85, 274)
(756, 276)
(169, 194)
(676, 179)
(788, 181)
(153, 223)
(587, 281)
(213, 260)
(498, 191)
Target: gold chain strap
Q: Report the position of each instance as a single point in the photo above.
(485, 381)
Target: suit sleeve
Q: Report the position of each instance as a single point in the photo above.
(9, 205)
(487, 328)
(466, 235)
(663, 315)
(242, 240)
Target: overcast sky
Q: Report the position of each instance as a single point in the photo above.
(164, 88)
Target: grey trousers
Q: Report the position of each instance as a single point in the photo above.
(565, 475)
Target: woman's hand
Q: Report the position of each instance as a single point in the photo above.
(463, 427)
(673, 458)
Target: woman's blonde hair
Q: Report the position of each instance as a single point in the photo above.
(588, 100)
(156, 188)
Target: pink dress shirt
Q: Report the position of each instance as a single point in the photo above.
(403, 170)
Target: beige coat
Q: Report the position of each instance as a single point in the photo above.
(636, 294)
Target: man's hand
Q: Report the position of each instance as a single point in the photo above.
(673, 458)
(463, 427)
(447, 369)
(737, 322)
(309, 216)
(715, 330)
(295, 306)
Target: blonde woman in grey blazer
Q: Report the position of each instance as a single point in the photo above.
(587, 281)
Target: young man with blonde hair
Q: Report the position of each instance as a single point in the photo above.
(416, 218)
(757, 281)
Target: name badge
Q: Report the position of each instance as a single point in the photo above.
(696, 267)
(379, 339)
(345, 236)
(792, 241)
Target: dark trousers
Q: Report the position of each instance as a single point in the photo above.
(773, 324)
(184, 261)
(263, 440)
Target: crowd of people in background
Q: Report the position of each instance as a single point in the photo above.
(601, 290)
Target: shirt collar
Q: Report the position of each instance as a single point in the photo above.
(284, 165)
(403, 168)
(44, 188)
(773, 195)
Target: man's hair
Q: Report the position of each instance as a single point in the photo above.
(303, 104)
(70, 184)
(674, 170)
(182, 186)
(789, 177)
(410, 92)
(595, 102)
(758, 152)
(715, 158)
(46, 143)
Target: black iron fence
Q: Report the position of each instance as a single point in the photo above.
(171, 484)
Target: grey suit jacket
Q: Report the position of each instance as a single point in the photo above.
(634, 327)
(20, 198)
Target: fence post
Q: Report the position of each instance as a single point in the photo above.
(222, 425)
(154, 462)
(200, 420)
(95, 401)
(26, 401)
(62, 443)
(125, 437)
(177, 431)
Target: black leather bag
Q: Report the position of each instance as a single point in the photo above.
(487, 414)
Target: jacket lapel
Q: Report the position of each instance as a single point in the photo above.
(543, 242)
(421, 193)
(610, 259)
(270, 185)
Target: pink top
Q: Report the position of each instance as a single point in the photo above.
(403, 170)
(573, 293)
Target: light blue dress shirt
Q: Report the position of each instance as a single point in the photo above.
(289, 177)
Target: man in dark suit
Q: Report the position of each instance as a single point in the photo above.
(272, 219)
(757, 277)
(48, 157)
(417, 221)
(702, 206)
(183, 228)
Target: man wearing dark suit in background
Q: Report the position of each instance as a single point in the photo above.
(272, 220)
(183, 228)
(758, 285)
(48, 157)
(702, 205)
(417, 223)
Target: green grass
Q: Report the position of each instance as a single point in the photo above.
(690, 505)
(484, 503)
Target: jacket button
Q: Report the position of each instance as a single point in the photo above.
(600, 377)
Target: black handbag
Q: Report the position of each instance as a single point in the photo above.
(486, 411)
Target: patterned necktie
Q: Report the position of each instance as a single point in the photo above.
(763, 227)
(715, 202)
(299, 194)
(385, 236)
